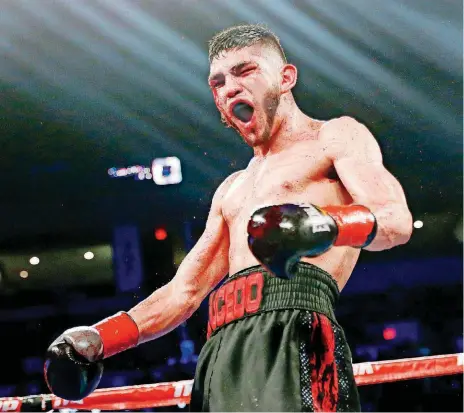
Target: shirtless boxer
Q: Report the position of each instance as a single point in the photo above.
(289, 228)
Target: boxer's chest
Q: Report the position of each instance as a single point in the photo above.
(297, 178)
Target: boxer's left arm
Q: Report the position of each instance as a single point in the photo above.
(357, 159)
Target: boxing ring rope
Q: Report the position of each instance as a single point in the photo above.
(172, 393)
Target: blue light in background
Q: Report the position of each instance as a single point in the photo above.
(459, 344)
(424, 351)
(187, 348)
(32, 365)
(119, 381)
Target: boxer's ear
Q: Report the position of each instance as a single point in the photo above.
(289, 75)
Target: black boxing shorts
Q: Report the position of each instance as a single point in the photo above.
(275, 345)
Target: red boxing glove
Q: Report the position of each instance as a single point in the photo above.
(356, 224)
(118, 332)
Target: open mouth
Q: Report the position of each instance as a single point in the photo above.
(243, 111)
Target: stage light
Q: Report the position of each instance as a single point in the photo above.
(34, 260)
(424, 351)
(418, 224)
(389, 333)
(24, 274)
(89, 255)
(160, 234)
(166, 171)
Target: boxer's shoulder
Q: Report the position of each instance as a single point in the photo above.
(231, 178)
(341, 120)
(345, 134)
(226, 184)
(337, 125)
(341, 128)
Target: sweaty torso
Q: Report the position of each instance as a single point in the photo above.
(300, 175)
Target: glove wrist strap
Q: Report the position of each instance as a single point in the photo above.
(118, 332)
(356, 224)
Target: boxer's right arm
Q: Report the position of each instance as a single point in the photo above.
(71, 377)
(201, 270)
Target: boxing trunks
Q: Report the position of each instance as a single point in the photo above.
(275, 345)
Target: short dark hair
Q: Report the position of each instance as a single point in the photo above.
(242, 36)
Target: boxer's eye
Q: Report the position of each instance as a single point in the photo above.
(216, 85)
(247, 71)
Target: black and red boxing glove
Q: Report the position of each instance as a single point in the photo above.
(73, 366)
(279, 235)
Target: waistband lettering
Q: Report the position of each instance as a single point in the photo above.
(235, 299)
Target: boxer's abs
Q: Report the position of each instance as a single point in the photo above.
(296, 178)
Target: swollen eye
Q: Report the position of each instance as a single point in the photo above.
(243, 112)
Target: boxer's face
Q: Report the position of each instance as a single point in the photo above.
(250, 76)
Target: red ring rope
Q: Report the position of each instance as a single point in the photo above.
(172, 393)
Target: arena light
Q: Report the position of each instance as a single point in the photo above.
(163, 171)
(161, 234)
(418, 224)
(166, 171)
(89, 255)
(34, 260)
(389, 333)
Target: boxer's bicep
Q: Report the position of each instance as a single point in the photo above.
(208, 261)
(369, 183)
(358, 161)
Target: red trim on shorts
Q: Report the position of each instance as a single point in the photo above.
(323, 368)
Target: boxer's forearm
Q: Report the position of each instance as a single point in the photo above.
(162, 312)
(394, 226)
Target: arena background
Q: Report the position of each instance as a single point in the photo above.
(92, 92)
